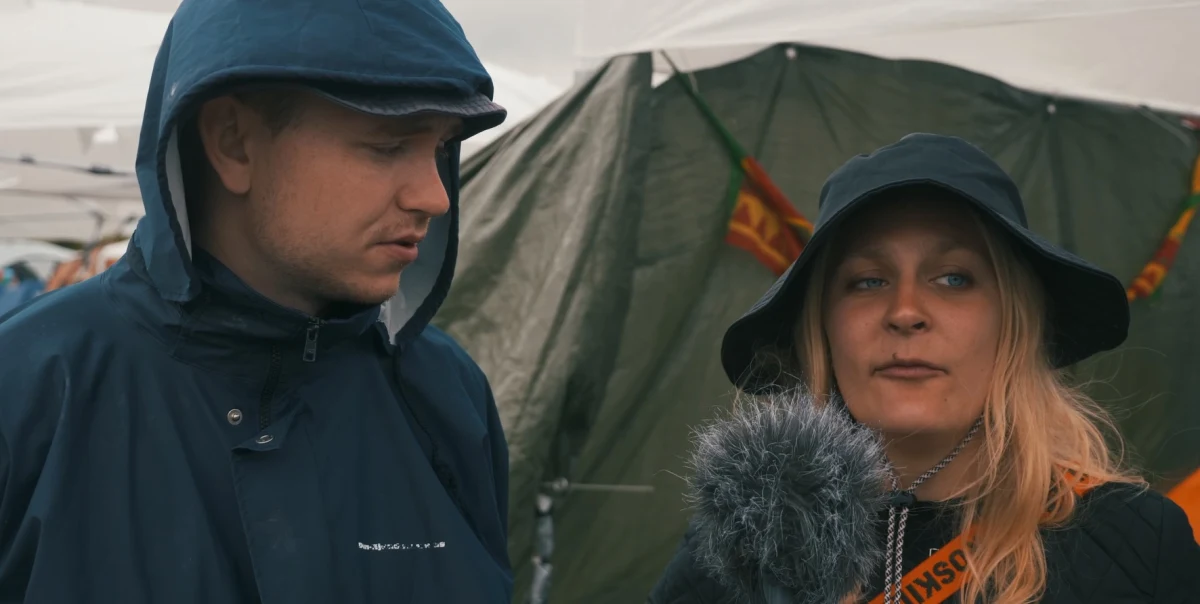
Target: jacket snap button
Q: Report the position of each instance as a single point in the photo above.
(234, 416)
(264, 439)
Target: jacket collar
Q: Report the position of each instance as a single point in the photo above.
(232, 328)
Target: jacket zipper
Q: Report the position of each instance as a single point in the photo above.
(310, 340)
(268, 391)
(267, 397)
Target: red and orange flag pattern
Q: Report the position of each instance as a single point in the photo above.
(764, 222)
(1148, 281)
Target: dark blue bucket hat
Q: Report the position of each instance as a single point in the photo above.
(477, 111)
(1088, 312)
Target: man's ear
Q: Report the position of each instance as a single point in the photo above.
(225, 126)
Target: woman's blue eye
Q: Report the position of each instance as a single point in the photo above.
(954, 280)
(868, 283)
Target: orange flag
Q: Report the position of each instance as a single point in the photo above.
(1150, 279)
(764, 222)
(1187, 495)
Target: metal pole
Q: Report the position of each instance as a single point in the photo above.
(539, 592)
(96, 169)
(562, 485)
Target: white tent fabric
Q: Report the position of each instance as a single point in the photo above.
(73, 81)
(1137, 52)
(70, 65)
(39, 255)
(51, 203)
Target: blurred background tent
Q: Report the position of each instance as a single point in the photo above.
(594, 281)
(40, 256)
(72, 85)
(25, 266)
(73, 80)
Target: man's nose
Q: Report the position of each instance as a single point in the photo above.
(422, 190)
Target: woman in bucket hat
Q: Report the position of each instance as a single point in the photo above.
(925, 306)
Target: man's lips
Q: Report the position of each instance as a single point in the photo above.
(409, 238)
(403, 250)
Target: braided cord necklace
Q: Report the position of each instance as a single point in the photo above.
(894, 569)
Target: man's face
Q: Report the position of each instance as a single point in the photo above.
(338, 201)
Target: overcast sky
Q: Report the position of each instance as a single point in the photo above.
(534, 36)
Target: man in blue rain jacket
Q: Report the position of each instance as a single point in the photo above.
(251, 406)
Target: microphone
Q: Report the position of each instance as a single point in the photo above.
(788, 496)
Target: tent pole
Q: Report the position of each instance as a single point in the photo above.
(543, 539)
(543, 528)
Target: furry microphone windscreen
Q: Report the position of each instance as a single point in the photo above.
(788, 495)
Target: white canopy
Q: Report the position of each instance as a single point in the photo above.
(39, 255)
(70, 65)
(73, 80)
(1125, 51)
(73, 83)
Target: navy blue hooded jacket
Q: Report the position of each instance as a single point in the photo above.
(168, 435)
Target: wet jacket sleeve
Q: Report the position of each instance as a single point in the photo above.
(684, 582)
(499, 445)
(1178, 558)
(30, 409)
(493, 519)
(16, 537)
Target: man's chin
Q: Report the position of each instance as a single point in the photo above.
(359, 294)
(375, 298)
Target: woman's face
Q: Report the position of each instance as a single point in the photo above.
(913, 318)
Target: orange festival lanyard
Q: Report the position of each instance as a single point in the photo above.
(937, 578)
(941, 575)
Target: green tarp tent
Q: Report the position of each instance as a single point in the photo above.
(594, 284)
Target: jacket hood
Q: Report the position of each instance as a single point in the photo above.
(213, 45)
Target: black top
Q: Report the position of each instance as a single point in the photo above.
(1122, 546)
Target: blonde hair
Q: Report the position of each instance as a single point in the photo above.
(1038, 432)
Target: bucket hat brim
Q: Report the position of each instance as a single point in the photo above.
(1088, 309)
(477, 111)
